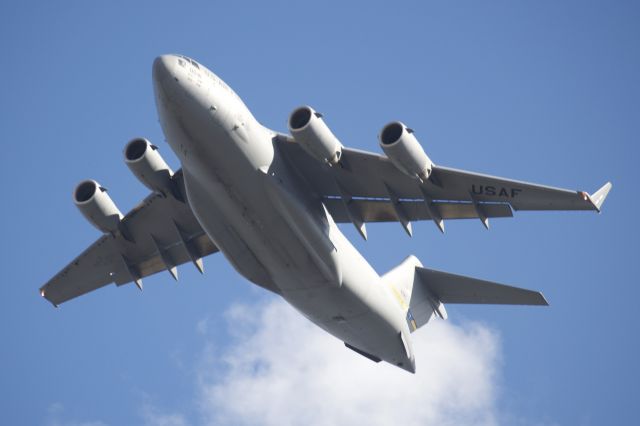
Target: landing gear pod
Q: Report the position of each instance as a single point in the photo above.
(311, 132)
(144, 160)
(404, 151)
(95, 204)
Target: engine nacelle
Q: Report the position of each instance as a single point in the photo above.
(144, 160)
(97, 206)
(313, 135)
(404, 151)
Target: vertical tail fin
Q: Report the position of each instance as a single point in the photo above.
(416, 300)
(400, 280)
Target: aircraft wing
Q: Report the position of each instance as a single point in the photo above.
(367, 187)
(161, 234)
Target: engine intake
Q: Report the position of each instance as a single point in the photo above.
(405, 152)
(95, 204)
(313, 135)
(144, 160)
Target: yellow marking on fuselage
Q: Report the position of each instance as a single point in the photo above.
(399, 298)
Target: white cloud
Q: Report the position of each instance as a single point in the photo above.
(152, 416)
(280, 369)
(202, 327)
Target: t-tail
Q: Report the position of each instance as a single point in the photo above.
(422, 292)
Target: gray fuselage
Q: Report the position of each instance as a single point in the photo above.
(266, 220)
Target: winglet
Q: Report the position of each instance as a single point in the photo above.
(598, 197)
(544, 301)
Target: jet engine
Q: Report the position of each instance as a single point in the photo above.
(404, 151)
(144, 160)
(97, 206)
(313, 135)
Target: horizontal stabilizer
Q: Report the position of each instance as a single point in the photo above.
(450, 288)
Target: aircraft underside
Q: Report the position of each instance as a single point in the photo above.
(270, 203)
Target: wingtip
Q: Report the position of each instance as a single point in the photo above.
(598, 197)
(43, 294)
(543, 300)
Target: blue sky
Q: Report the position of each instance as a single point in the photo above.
(546, 91)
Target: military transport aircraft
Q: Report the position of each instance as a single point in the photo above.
(270, 203)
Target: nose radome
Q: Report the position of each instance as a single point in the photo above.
(162, 67)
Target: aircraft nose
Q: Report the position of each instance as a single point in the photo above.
(162, 68)
(166, 79)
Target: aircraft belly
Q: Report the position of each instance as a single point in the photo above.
(278, 235)
(349, 318)
(241, 219)
(360, 311)
(223, 163)
(214, 222)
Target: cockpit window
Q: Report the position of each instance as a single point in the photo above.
(183, 63)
